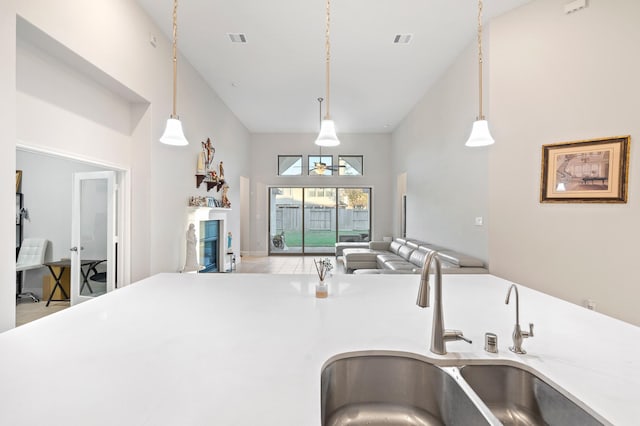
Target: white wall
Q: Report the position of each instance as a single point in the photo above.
(446, 183)
(162, 178)
(376, 149)
(47, 188)
(108, 40)
(550, 78)
(7, 160)
(557, 78)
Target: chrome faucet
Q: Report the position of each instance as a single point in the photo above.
(518, 335)
(439, 336)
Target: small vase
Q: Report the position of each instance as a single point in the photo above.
(322, 290)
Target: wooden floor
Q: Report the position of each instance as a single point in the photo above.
(284, 265)
(27, 311)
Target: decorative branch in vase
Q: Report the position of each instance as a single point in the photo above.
(324, 267)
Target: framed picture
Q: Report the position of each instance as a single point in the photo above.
(18, 179)
(590, 171)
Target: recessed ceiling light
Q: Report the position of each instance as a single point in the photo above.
(402, 38)
(237, 37)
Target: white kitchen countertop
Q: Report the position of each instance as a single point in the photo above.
(247, 349)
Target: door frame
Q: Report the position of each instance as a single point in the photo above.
(303, 188)
(123, 210)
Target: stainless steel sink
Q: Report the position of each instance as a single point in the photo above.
(517, 397)
(393, 390)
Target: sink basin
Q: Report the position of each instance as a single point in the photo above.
(393, 390)
(517, 397)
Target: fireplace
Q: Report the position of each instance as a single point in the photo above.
(211, 231)
(209, 245)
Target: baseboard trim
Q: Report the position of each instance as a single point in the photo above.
(254, 253)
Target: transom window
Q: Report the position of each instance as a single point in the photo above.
(320, 165)
(350, 165)
(289, 165)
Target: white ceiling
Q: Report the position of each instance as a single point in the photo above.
(272, 83)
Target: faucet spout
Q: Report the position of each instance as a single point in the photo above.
(518, 335)
(423, 292)
(506, 301)
(439, 336)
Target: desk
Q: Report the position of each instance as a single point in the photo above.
(62, 265)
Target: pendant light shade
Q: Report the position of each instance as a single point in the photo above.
(327, 136)
(173, 134)
(480, 135)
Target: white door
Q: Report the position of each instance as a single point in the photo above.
(93, 235)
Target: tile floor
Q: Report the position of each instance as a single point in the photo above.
(27, 311)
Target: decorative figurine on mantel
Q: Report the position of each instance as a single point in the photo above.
(206, 170)
(191, 263)
(225, 200)
(209, 151)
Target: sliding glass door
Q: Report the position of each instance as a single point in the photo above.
(354, 214)
(312, 220)
(319, 220)
(285, 221)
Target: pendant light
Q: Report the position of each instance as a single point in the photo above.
(480, 135)
(173, 134)
(327, 136)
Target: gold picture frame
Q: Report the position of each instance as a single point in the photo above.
(18, 180)
(588, 171)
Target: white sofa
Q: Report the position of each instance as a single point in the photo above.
(406, 256)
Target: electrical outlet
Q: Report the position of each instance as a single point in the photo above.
(574, 6)
(479, 221)
(590, 304)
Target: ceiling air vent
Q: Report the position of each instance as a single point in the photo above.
(237, 37)
(402, 38)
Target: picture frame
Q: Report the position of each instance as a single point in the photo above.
(18, 180)
(587, 171)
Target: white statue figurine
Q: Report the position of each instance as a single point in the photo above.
(225, 199)
(200, 168)
(191, 263)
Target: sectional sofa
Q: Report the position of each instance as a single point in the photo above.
(406, 256)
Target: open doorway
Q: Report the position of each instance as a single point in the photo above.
(46, 188)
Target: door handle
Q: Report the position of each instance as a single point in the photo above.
(76, 248)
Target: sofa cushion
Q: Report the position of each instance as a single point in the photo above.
(418, 257)
(414, 244)
(405, 252)
(386, 257)
(340, 247)
(379, 245)
(430, 247)
(460, 259)
(394, 246)
(397, 265)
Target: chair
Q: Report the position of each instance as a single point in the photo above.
(31, 256)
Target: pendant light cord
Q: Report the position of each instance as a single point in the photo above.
(480, 59)
(175, 57)
(328, 61)
(320, 116)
